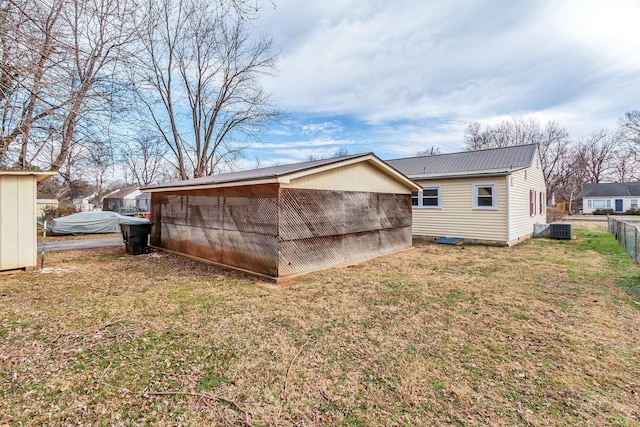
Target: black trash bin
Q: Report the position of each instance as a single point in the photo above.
(136, 237)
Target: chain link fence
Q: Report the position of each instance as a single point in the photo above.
(627, 234)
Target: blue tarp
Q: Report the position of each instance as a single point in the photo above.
(449, 240)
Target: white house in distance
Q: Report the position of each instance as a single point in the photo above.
(490, 196)
(85, 203)
(619, 196)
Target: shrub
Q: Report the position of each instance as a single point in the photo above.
(57, 212)
(554, 214)
(603, 212)
(632, 211)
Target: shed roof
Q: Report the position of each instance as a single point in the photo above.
(281, 174)
(495, 161)
(612, 189)
(40, 176)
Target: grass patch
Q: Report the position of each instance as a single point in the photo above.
(544, 333)
(618, 259)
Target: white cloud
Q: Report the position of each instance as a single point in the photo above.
(436, 66)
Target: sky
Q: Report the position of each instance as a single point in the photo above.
(402, 76)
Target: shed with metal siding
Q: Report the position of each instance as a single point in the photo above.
(287, 220)
(18, 210)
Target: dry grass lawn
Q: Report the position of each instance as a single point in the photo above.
(544, 333)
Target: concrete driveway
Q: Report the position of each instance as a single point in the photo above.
(98, 242)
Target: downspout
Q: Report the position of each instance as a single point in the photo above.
(508, 179)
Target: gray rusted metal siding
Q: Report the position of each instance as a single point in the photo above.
(320, 229)
(279, 232)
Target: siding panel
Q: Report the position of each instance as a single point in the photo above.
(457, 218)
(356, 177)
(521, 221)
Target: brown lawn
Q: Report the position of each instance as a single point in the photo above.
(539, 334)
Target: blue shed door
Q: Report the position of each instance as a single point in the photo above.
(618, 205)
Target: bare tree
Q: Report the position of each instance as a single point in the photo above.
(552, 139)
(59, 66)
(144, 159)
(627, 165)
(629, 124)
(433, 151)
(595, 155)
(341, 152)
(570, 177)
(198, 78)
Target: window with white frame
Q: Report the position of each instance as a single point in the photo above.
(590, 203)
(485, 195)
(608, 204)
(634, 203)
(599, 204)
(428, 197)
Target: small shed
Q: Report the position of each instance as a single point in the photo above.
(283, 221)
(18, 210)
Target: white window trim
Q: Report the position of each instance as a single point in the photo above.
(420, 197)
(494, 196)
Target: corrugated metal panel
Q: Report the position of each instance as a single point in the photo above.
(320, 229)
(232, 226)
(356, 177)
(497, 160)
(18, 242)
(457, 218)
(280, 232)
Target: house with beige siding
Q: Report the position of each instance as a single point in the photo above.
(490, 196)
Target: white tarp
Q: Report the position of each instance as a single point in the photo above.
(91, 223)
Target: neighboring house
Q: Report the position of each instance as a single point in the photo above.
(124, 198)
(143, 202)
(487, 196)
(619, 196)
(282, 221)
(18, 240)
(85, 203)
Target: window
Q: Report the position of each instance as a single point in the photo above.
(542, 202)
(608, 204)
(429, 197)
(599, 204)
(590, 203)
(634, 203)
(532, 202)
(414, 198)
(485, 195)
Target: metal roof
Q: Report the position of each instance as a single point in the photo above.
(612, 189)
(495, 161)
(273, 173)
(121, 193)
